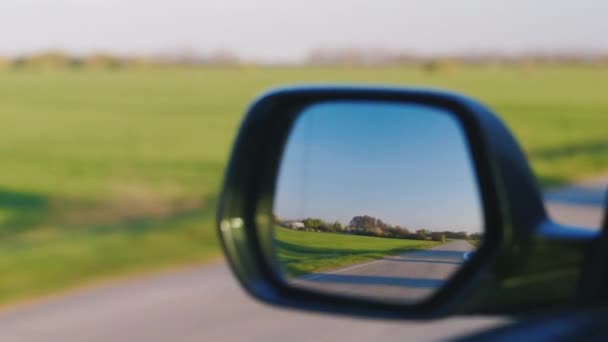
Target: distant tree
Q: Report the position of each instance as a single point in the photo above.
(4, 63)
(461, 235)
(377, 231)
(363, 222)
(456, 235)
(402, 232)
(222, 58)
(337, 227)
(47, 60)
(103, 61)
(367, 222)
(18, 62)
(475, 236)
(325, 227)
(421, 234)
(438, 236)
(441, 64)
(75, 63)
(313, 223)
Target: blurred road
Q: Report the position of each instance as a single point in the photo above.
(580, 204)
(205, 304)
(408, 277)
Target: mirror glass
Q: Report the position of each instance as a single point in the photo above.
(376, 200)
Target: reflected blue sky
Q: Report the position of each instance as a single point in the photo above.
(405, 164)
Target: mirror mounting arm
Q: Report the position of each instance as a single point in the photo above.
(594, 276)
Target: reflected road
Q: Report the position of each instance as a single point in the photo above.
(408, 277)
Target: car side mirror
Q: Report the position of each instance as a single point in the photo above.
(389, 202)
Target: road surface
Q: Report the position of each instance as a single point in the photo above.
(201, 304)
(409, 277)
(580, 204)
(205, 304)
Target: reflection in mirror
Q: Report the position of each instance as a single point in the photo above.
(376, 200)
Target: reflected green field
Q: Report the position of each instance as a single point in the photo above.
(303, 252)
(106, 173)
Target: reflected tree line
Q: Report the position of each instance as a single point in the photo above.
(370, 226)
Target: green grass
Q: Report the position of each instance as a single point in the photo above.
(303, 253)
(112, 172)
(49, 260)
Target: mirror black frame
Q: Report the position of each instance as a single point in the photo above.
(512, 205)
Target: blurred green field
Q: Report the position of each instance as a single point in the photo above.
(303, 253)
(106, 173)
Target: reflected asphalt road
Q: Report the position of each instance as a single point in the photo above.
(205, 304)
(407, 277)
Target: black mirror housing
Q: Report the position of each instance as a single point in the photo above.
(516, 225)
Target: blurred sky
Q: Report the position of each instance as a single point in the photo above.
(404, 164)
(282, 30)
